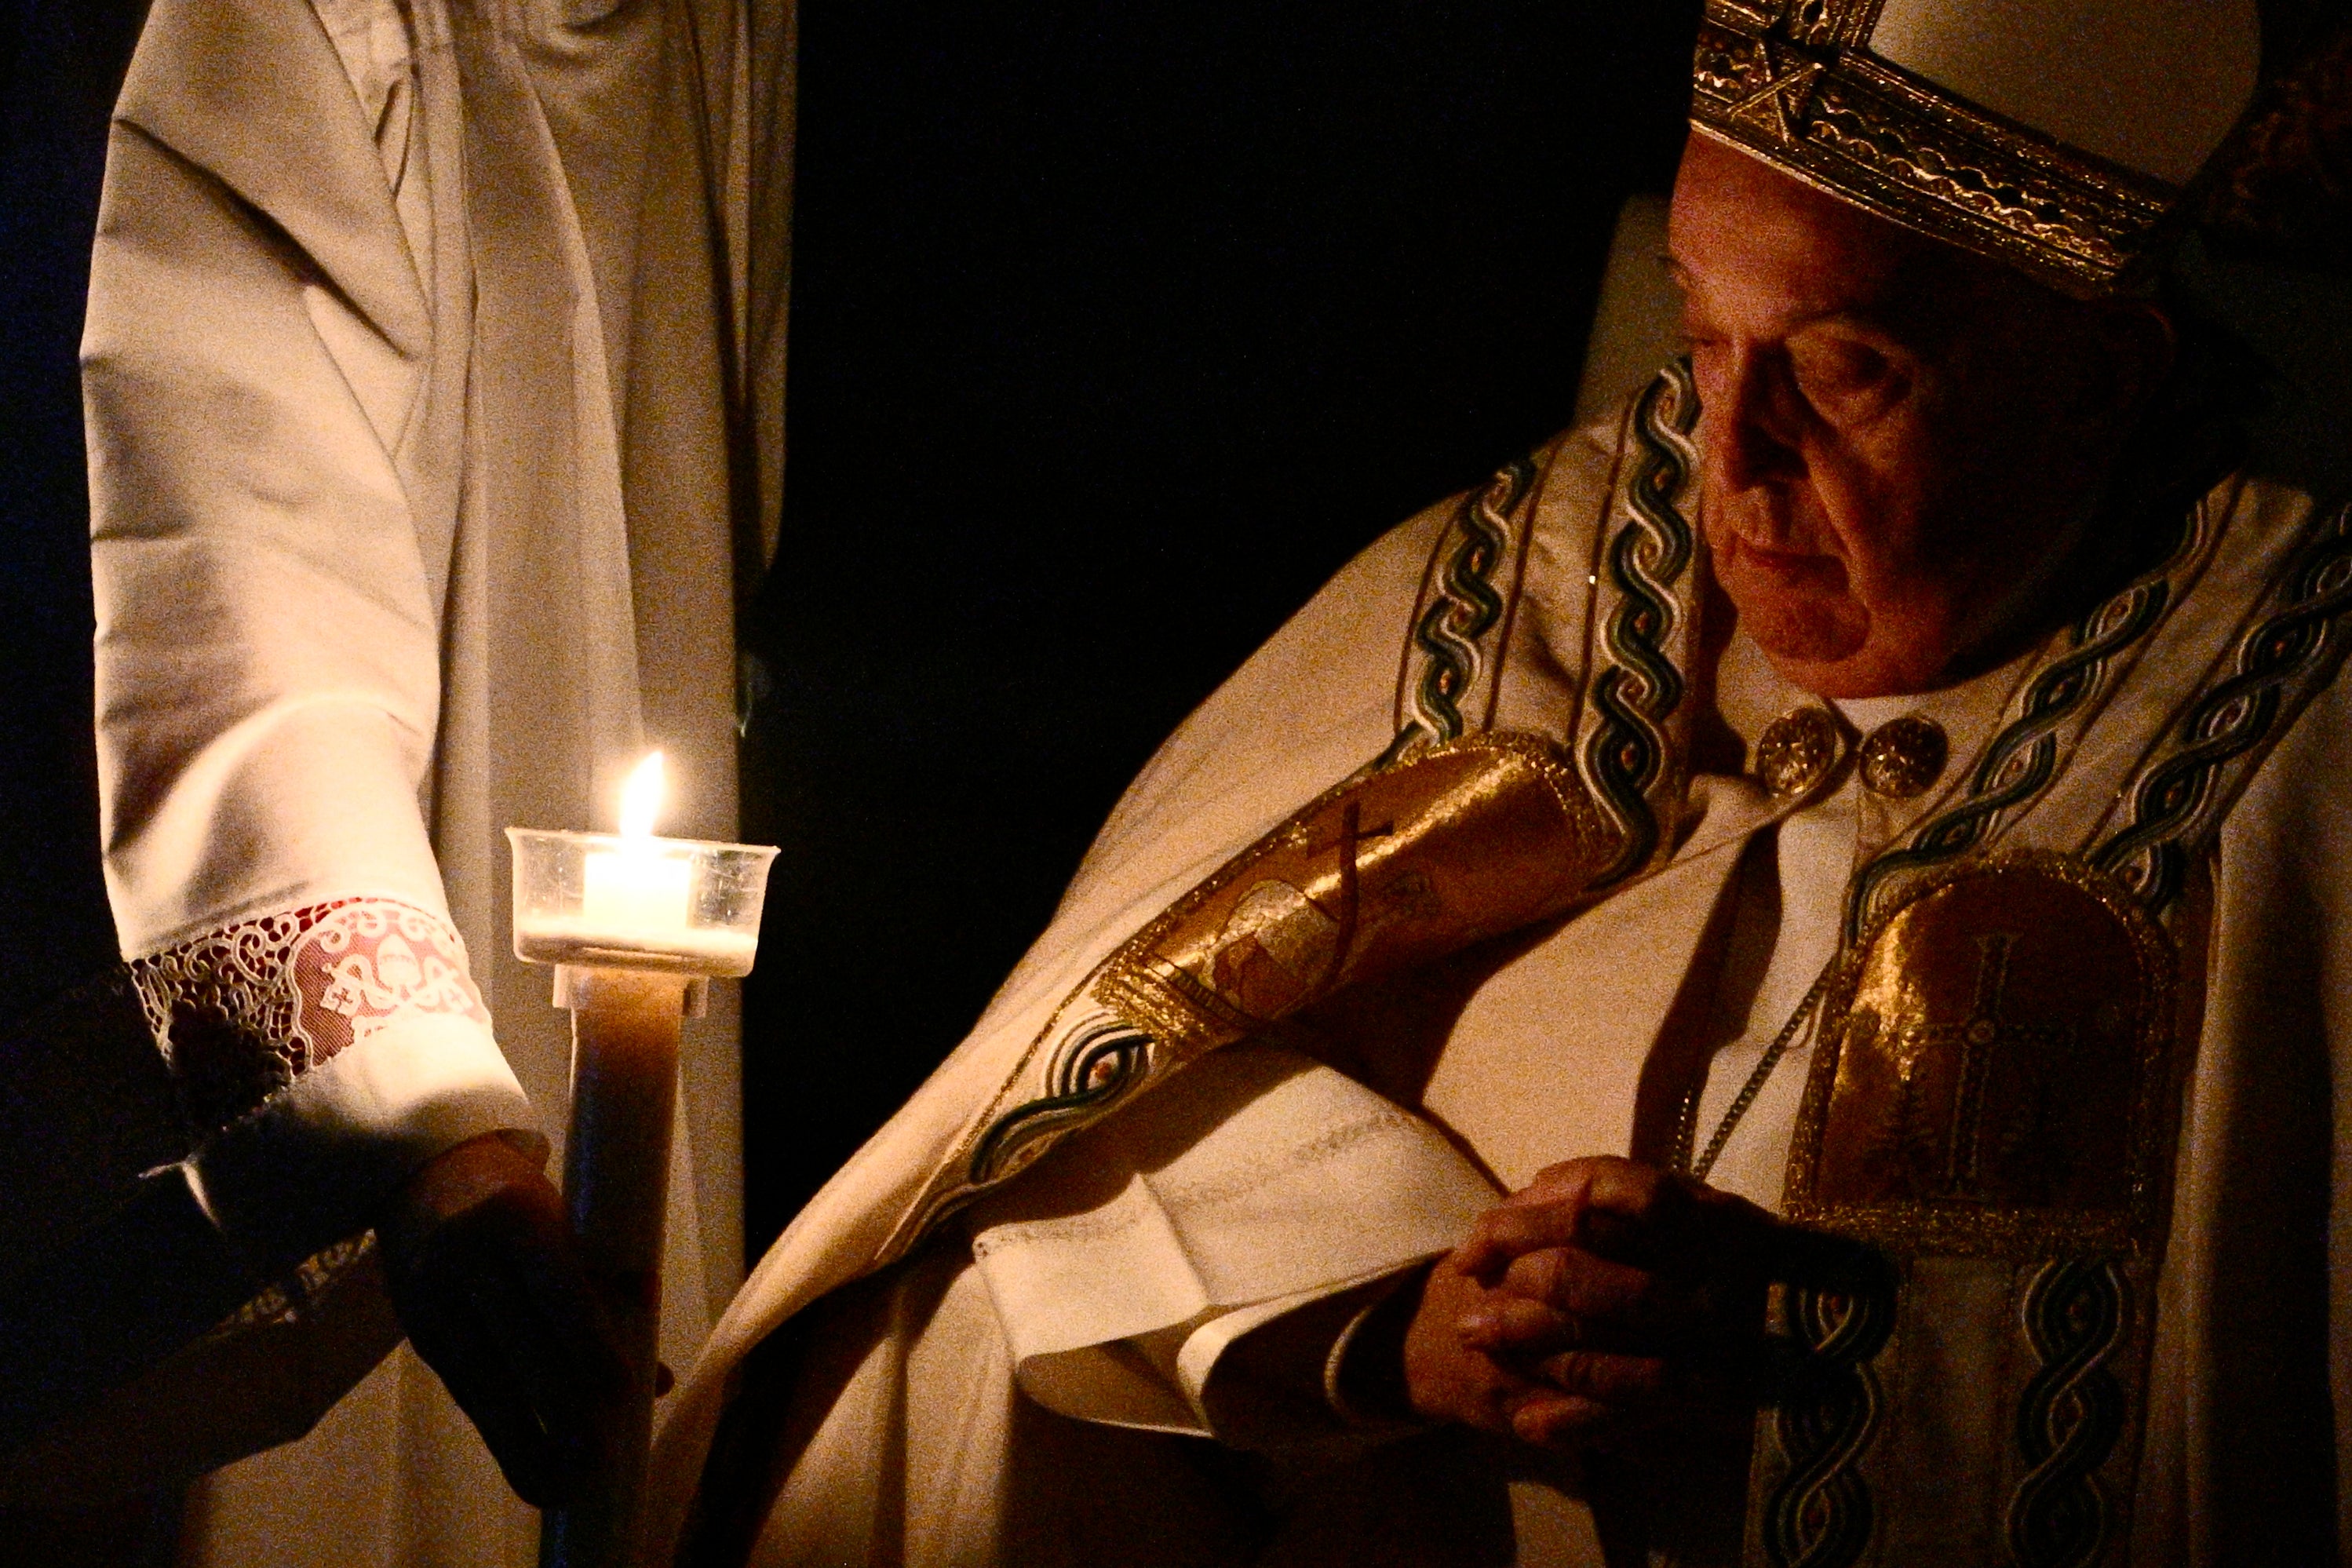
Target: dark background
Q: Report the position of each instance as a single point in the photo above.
(59, 63)
(1117, 327)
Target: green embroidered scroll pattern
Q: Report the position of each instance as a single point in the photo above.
(2023, 758)
(1094, 1069)
(2178, 799)
(1639, 687)
(1821, 1514)
(1450, 636)
(2071, 1416)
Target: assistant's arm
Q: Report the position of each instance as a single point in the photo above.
(268, 660)
(268, 687)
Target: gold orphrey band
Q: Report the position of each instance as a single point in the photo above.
(1791, 82)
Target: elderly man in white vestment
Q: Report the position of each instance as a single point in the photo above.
(1772, 985)
(412, 335)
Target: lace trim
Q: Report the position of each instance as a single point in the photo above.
(241, 1012)
(298, 1295)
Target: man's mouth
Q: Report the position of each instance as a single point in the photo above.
(1781, 562)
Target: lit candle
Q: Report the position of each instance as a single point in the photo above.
(634, 900)
(640, 893)
(635, 926)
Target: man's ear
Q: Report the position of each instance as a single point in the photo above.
(2134, 347)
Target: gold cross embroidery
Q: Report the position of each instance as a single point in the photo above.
(1980, 1038)
(1353, 836)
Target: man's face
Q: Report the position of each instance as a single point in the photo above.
(1899, 442)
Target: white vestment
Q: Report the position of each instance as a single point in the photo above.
(409, 366)
(910, 1411)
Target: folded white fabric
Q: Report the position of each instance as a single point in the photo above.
(1253, 1183)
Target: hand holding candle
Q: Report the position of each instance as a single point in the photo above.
(636, 926)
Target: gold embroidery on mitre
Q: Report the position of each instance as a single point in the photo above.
(1792, 83)
(1996, 1062)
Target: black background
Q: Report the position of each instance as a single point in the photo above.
(1117, 327)
(59, 63)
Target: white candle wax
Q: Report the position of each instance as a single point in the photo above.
(636, 901)
(637, 889)
(687, 950)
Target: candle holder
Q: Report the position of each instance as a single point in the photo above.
(606, 901)
(636, 927)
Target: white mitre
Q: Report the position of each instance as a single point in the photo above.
(2056, 135)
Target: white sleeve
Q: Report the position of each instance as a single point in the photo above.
(267, 649)
(1255, 1185)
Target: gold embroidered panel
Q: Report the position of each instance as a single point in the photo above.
(1390, 869)
(1992, 1105)
(1993, 1068)
(1457, 844)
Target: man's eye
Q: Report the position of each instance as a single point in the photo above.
(1844, 377)
(1837, 364)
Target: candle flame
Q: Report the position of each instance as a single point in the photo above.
(641, 798)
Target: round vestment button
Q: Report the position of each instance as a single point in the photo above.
(1904, 756)
(1797, 751)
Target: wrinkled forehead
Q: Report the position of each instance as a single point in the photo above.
(1751, 241)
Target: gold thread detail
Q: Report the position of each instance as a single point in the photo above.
(1938, 1072)
(1792, 84)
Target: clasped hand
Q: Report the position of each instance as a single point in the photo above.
(1604, 1297)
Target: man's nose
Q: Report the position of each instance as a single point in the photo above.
(1751, 423)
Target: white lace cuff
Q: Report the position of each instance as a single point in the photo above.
(320, 1055)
